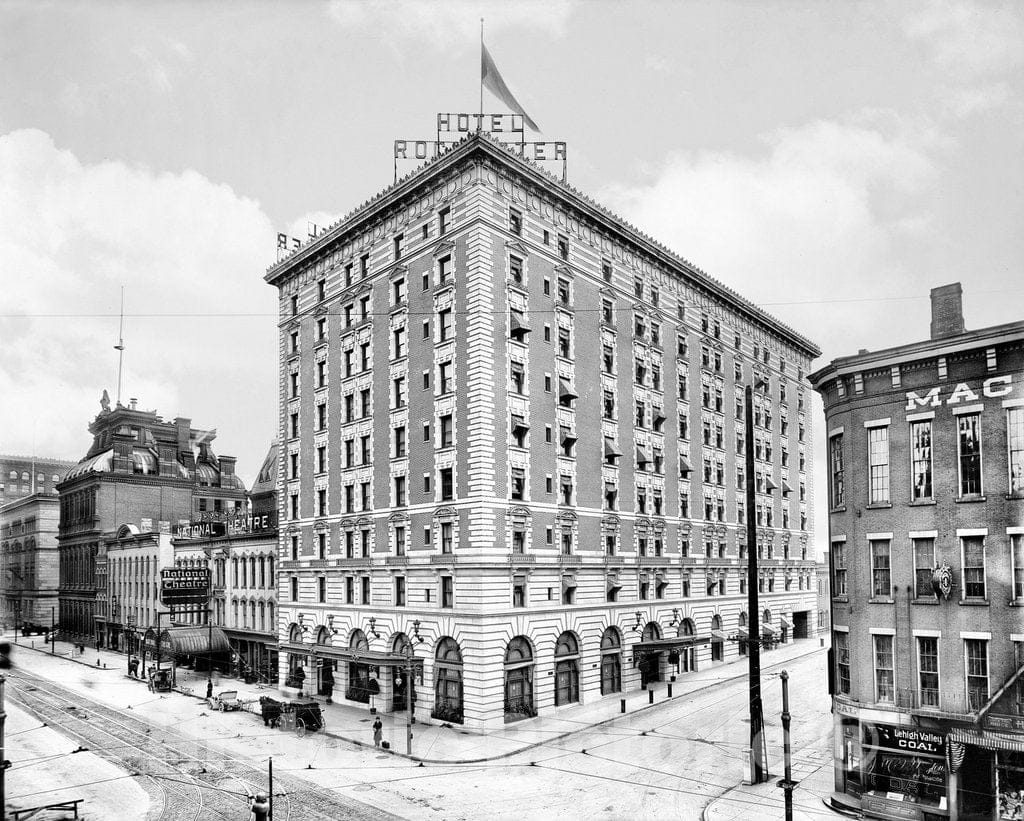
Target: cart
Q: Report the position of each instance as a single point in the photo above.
(159, 680)
(299, 715)
(225, 701)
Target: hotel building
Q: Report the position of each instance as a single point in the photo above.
(512, 446)
(926, 494)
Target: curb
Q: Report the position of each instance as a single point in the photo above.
(510, 753)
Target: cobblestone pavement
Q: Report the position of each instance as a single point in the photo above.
(185, 778)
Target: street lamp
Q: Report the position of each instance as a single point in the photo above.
(758, 751)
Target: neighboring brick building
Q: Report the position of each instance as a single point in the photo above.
(24, 475)
(244, 577)
(511, 438)
(28, 559)
(926, 467)
(139, 471)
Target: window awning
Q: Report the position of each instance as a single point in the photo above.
(684, 465)
(741, 633)
(719, 635)
(566, 393)
(614, 584)
(641, 456)
(767, 628)
(659, 417)
(518, 327)
(568, 583)
(785, 622)
(193, 641)
(786, 489)
(567, 440)
(519, 425)
(987, 739)
(999, 693)
(610, 449)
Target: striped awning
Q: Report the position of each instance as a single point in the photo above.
(194, 641)
(988, 740)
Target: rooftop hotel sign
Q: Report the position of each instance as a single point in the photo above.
(455, 126)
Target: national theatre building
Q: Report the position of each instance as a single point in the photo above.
(512, 448)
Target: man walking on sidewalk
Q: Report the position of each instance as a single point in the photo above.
(378, 732)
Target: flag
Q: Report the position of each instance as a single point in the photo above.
(490, 77)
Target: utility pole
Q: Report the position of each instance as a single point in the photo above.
(758, 753)
(270, 784)
(53, 629)
(408, 698)
(209, 652)
(3, 760)
(787, 783)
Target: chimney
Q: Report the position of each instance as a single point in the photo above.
(947, 311)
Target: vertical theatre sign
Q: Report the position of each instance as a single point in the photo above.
(507, 128)
(180, 586)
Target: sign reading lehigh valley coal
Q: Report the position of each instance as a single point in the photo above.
(184, 586)
(454, 126)
(906, 739)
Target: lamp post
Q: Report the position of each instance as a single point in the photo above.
(787, 783)
(53, 629)
(130, 639)
(758, 752)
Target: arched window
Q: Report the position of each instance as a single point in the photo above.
(295, 634)
(567, 669)
(359, 686)
(519, 679)
(448, 681)
(611, 661)
(652, 631)
(687, 628)
(717, 639)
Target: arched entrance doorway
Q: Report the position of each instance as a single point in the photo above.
(325, 666)
(448, 681)
(717, 639)
(296, 661)
(519, 680)
(687, 655)
(611, 661)
(650, 663)
(400, 682)
(358, 673)
(567, 669)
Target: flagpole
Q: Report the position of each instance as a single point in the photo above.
(478, 122)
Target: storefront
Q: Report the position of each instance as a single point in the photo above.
(989, 766)
(903, 773)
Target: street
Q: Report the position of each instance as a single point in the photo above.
(670, 760)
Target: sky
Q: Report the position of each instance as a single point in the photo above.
(832, 162)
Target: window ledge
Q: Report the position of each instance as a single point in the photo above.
(839, 509)
(973, 602)
(966, 500)
(931, 601)
(1015, 495)
(878, 506)
(921, 502)
(841, 599)
(881, 601)
(1015, 603)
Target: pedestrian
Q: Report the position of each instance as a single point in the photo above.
(378, 732)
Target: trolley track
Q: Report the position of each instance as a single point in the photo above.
(185, 778)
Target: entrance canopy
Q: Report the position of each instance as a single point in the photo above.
(655, 646)
(988, 740)
(373, 658)
(193, 641)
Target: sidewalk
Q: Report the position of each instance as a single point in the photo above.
(440, 744)
(811, 767)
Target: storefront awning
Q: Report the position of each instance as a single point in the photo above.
(768, 629)
(374, 658)
(785, 622)
(193, 641)
(720, 635)
(988, 740)
(654, 646)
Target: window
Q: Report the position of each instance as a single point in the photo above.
(878, 464)
(400, 491)
(519, 431)
(442, 220)
(447, 592)
(399, 391)
(564, 293)
(444, 270)
(295, 505)
(976, 664)
(969, 453)
(1015, 449)
(399, 591)
(928, 671)
(973, 550)
(321, 459)
(399, 441)
(321, 502)
(839, 568)
(295, 589)
(1017, 552)
(606, 270)
(364, 356)
(563, 247)
(518, 487)
(399, 541)
(564, 342)
(924, 562)
(515, 267)
(608, 358)
(519, 591)
(444, 378)
(398, 343)
(515, 221)
(444, 324)
(881, 569)
(447, 484)
(608, 404)
(446, 431)
(885, 676)
(837, 486)
(365, 584)
(364, 402)
(398, 247)
(447, 530)
(566, 485)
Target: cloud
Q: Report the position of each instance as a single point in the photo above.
(184, 247)
(813, 216)
(970, 38)
(454, 23)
